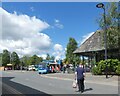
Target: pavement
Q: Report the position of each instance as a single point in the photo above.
(89, 78)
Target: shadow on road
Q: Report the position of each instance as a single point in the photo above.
(22, 89)
(89, 89)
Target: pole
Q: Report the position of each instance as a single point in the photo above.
(119, 30)
(105, 40)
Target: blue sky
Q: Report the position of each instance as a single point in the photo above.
(65, 20)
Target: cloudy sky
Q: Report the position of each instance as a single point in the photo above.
(40, 28)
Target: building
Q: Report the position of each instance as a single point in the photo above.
(93, 49)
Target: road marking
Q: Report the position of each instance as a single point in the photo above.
(26, 79)
(11, 71)
(8, 72)
(56, 78)
(50, 84)
(86, 81)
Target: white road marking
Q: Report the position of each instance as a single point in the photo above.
(26, 79)
(86, 81)
(50, 84)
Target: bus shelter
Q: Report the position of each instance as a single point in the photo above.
(93, 49)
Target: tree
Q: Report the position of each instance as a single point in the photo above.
(35, 60)
(77, 59)
(48, 57)
(0, 58)
(52, 58)
(71, 47)
(25, 60)
(15, 60)
(5, 57)
(112, 23)
(40, 59)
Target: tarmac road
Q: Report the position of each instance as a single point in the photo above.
(23, 82)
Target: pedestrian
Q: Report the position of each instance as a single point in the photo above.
(79, 76)
(64, 68)
(53, 69)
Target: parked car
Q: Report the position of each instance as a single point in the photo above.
(24, 68)
(31, 68)
(42, 68)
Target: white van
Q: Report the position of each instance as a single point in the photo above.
(31, 68)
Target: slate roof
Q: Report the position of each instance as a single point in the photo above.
(93, 43)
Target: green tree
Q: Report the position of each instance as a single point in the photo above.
(5, 57)
(0, 59)
(48, 57)
(34, 60)
(15, 59)
(52, 58)
(25, 60)
(40, 59)
(77, 59)
(71, 47)
(112, 17)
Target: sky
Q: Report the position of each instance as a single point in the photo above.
(30, 28)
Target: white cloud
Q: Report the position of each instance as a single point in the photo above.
(85, 37)
(32, 9)
(65, 49)
(43, 56)
(58, 51)
(58, 47)
(57, 21)
(58, 24)
(22, 34)
(57, 57)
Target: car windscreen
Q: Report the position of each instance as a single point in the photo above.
(42, 66)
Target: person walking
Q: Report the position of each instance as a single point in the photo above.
(79, 75)
(64, 68)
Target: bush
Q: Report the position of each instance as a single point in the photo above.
(113, 65)
(118, 69)
(102, 65)
(96, 71)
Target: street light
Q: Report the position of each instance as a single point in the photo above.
(101, 5)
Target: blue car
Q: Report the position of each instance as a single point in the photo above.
(42, 68)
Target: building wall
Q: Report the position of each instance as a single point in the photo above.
(1, 68)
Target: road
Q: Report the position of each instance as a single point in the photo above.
(18, 82)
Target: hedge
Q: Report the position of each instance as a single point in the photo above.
(113, 65)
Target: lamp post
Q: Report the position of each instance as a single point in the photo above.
(101, 5)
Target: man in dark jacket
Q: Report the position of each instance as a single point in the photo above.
(79, 75)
